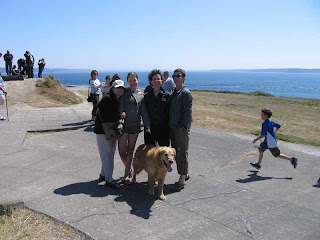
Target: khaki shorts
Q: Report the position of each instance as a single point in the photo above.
(2, 99)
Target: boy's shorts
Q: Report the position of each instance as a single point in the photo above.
(2, 99)
(275, 151)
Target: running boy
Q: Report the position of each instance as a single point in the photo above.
(270, 141)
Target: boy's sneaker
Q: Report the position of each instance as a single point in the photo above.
(294, 162)
(2, 118)
(255, 165)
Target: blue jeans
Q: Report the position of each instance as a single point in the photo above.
(9, 68)
(40, 72)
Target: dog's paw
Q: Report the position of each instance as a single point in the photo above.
(162, 197)
(151, 193)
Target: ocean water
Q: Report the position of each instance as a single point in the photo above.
(306, 85)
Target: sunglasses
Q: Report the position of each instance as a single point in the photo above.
(177, 76)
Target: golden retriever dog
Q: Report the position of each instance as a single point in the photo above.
(156, 161)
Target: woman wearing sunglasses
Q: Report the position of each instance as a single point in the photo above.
(95, 86)
(180, 118)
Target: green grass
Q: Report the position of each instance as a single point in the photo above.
(256, 93)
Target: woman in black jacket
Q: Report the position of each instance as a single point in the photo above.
(108, 113)
(156, 101)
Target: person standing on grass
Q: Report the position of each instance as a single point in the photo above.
(108, 113)
(95, 86)
(41, 65)
(132, 108)
(156, 101)
(268, 132)
(168, 84)
(180, 119)
(8, 58)
(3, 95)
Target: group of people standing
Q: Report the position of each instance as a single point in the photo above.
(25, 65)
(165, 108)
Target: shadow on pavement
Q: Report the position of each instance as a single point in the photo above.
(253, 177)
(86, 122)
(135, 196)
(317, 185)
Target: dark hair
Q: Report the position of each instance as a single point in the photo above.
(267, 111)
(108, 77)
(132, 73)
(154, 72)
(115, 77)
(183, 72)
(166, 72)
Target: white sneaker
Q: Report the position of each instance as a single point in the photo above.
(2, 118)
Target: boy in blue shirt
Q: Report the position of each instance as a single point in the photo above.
(270, 141)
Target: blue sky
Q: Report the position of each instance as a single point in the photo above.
(147, 34)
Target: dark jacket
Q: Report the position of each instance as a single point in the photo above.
(107, 112)
(108, 108)
(180, 113)
(8, 57)
(157, 107)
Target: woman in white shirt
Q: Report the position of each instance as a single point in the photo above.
(95, 86)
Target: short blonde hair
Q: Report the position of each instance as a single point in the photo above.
(93, 72)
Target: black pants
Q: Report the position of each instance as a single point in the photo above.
(95, 104)
(159, 133)
(30, 72)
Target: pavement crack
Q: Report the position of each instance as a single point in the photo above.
(207, 197)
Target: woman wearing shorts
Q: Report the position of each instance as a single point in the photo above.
(132, 108)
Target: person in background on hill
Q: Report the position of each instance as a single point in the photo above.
(29, 64)
(21, 63)
(8, 58)
(15, 71)
(105, 87)
(168, 84)
(156, 101)
(95, 86)
(180, 119)
(108, 113)
(0, 65)
(3, 95)
(41, 64)
(132, 108)
(268, 132)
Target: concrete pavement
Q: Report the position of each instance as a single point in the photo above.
(49, 160)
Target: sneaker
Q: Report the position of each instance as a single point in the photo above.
(255, 165)
(101, 178)
(113, 185)
(294, 162)
(2, 118)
